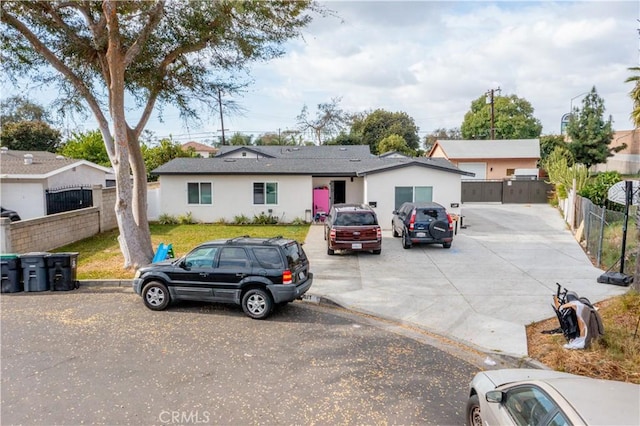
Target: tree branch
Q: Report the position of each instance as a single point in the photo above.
(154, 19)
(56, 63)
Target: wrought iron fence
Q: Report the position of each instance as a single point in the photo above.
(68, 198)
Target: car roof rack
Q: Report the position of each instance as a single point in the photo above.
(233, 240)
(272, 239)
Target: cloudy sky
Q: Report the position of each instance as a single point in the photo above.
(431, 59)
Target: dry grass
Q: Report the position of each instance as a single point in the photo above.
(615, 357)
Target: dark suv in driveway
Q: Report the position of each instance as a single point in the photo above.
(256, 273)
(422, 223)
(352, 227)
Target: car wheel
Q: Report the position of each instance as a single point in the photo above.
(377, 251)
(474, 417)
(393, 231)
(257, 304)
(330, 251)
(406, 243)
(156, 296)
(446, 245)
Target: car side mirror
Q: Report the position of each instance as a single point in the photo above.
(394, 212)
(184, 265)
(495, 396)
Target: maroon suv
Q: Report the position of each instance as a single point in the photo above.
(352, 227)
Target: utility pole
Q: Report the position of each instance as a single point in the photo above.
(490, 95)
(221, 115)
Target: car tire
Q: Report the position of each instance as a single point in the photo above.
(438, 229)
(257, 303)
(377, 251)
(474, 417)
(393, 231)
(156, 296)
(330, 251)
(406, 243)
(446, 245)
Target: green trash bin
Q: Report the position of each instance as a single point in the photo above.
(11, 282)
(34, 271)
(63, 270)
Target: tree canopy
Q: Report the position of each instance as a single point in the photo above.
(513, 119)
(181, 53)
(373, 127)
(395, 143)
(589, 133)
(20, 108)
(635, 95)
(87, 146)
(29, 136)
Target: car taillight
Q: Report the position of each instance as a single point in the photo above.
(379, 233)
(332, 234)
(286, 277)
(412, 221)
(450, 222)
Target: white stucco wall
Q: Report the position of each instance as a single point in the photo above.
(380, 188)
(233, 195)
(80, 175)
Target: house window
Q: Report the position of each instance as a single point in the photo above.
(408, 194)
(199, 193)
(265, 193)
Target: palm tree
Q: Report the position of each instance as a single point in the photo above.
(635, 95)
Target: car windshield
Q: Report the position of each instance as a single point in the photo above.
(355, 219)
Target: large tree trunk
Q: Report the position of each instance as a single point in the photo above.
(131, 214)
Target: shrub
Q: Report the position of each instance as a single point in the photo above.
(186, 219)
(166, 219)
(241, 220)
(264, 219)
(597, 187)
(298, 221)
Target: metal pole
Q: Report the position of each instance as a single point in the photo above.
(602, 218)
(627, 202)
(492, 117)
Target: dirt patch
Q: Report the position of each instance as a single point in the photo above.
(615, 357)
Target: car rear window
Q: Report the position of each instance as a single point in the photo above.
(424, 215)
(268, 257)
(295, 254)
(356, 219)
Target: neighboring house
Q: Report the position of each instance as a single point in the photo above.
(627, 161)
(203, 150)
(490, 159)
(25, 176)
(296, 182)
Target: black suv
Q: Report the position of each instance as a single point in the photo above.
(422, 223)
(256, 273)
(352, 227)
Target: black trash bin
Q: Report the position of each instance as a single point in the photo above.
(63, 270)
(34, 271)
(11, 282)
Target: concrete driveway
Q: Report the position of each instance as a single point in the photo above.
(499, 276)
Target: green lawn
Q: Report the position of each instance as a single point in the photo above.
(99, 257)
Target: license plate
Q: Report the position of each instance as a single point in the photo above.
(421, 235)
(356, 246)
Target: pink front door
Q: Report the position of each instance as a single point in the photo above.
(320, 200)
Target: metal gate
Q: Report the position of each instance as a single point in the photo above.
(69, 198)
(506, 191)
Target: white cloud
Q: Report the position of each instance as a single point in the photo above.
(432, 59)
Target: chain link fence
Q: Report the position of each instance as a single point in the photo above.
(603, 233)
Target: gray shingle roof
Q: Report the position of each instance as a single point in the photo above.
(291, 151)
(12, 163)
(298, 166)
(510, 148)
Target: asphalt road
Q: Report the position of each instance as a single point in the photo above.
(98, 356)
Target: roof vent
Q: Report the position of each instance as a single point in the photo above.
(343, 149)
(4, 150)
(59, 157)
(28, 158)
(229, 160)
(354, 160)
